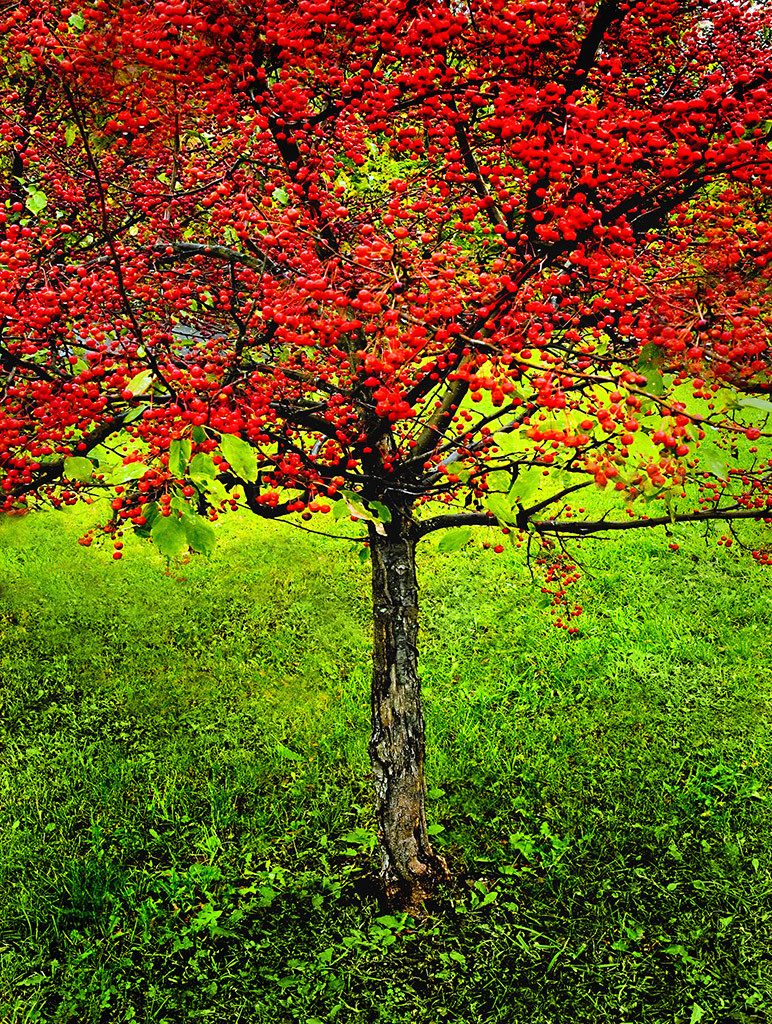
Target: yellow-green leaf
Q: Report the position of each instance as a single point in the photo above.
(240, 457)
(78, 468)
(169, 536)
(454, 540)
(199, 533)
(179, 454)
(140, 383)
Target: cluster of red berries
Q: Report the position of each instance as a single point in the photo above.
(560, 572)
(108, 530)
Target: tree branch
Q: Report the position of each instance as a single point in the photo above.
(584, 528)
(187, 250)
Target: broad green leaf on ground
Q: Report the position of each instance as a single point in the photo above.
(169, 536)
(240, 457)
(78, 468)
(287, 753)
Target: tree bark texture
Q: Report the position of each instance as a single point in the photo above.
(397, 742)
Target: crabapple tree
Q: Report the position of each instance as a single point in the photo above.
(425, 264)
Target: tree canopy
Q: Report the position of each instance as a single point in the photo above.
(427, 265)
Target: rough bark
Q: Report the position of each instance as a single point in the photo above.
(397, 743)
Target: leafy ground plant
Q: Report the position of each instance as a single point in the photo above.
(186, 827)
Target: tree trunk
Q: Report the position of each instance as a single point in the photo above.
(397, 743)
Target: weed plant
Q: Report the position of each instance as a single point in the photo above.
(186, 824)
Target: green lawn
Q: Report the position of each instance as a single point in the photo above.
(186, 830)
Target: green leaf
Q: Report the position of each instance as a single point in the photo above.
(509, 441)
(140, 383)
(103, 456)
(179, 455)
(697, 1014)
(357, 509)
(499, 481)
(135, 414)
(383, 512)
(36, 202)
(199, 434)
(169, 536)
(756, 403)
(285, 752)
(203, 473)
(454, 540)
(182, 505)
(77, 21)
(339, 509)
(215, 491)
(651, 355)
(654, 381)
(131, 471)
(726, 400)
(501, 509)
(70, 134)
(77, 468)
(202, 468)
(643, 445)
(151, 513)
(711, 462)
(527, 484)
(199, 533)
(240, 456)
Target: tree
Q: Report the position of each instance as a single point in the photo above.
(429, 265)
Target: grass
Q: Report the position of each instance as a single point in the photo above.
(186, 823)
